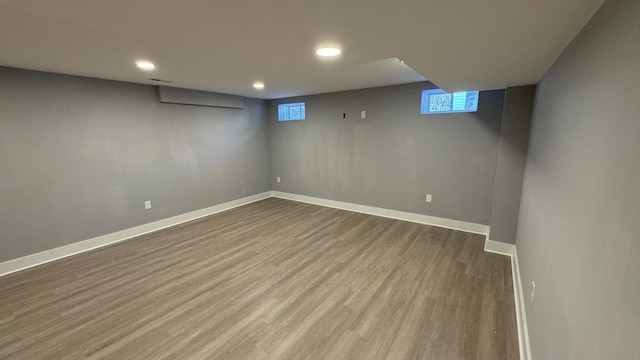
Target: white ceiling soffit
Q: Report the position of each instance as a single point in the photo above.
(225, 46)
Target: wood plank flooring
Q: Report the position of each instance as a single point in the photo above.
(271, 280)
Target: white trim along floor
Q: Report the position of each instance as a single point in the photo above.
(46, 256)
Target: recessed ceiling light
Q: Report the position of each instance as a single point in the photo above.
(258, 85)
(328, 51)
(145, 65)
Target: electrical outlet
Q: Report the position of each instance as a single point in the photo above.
(278, 179)
(428, 198)
(147, 204)
(363, 114)
(533, 290)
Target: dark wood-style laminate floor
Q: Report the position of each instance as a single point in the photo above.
(271, 280)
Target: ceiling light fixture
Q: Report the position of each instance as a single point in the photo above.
(145, 65)
(258, 85)
(328, 51)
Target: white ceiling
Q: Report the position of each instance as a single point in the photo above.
(225, 46)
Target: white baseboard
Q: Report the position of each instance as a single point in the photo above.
(521, 315)
(393, 214)
(518, 296)
(498, 247)
(46, 256)
(489, 246)
(29, 261)
(32, 260)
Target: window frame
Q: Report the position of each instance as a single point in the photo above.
(425, 95)
(285, 109)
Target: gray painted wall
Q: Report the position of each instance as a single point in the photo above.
(394, 157)
(579, 227)
(79, 156)
(512, 156)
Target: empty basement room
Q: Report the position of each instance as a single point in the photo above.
(277, 179)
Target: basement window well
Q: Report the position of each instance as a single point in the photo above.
(437, 101)
(291, 111)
